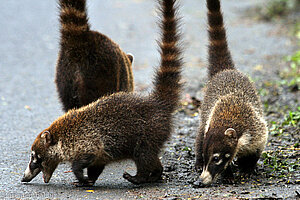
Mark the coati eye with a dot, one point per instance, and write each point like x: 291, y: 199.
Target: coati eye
x: 33, y: 157
x: 216, y: 158
x: 36, y: 158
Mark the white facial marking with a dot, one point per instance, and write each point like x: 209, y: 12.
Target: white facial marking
x: 33, y: 155
x: 27, y: 172
x: 216, y: 155
x: 219, y: 162
x: 206, y: 177
x: 30, y: 174
x: 210, y: 117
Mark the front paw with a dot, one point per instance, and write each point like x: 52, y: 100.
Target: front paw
x: 228, y: 180
x: 83, y: 184
x: 130, y: 178
x: 134, y: 179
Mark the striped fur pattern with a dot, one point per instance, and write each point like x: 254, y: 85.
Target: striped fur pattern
x: 218, y: 52
x: 232, y: 122
x: 119, y: 126
x: 90, y: 65
x: 167, y: 80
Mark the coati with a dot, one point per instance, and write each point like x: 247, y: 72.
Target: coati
x: 120, y: 126
x: 90, y: 65
x: 232, y: 123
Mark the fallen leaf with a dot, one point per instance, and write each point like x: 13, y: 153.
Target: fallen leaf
x: 27, y: 107
x: 258, y: 67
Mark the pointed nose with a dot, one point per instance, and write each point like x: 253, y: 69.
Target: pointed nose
x: 24, y: 179
x: 30, y: 174
x: 206, y: 178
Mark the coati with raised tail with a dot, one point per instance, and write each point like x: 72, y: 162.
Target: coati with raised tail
x: 90, y: 65
x: 232, y: 123
x: 120, y: 126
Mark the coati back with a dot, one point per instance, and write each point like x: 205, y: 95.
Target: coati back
x: 232, y: 123
x: 90, y: 65
x: 119, y: 126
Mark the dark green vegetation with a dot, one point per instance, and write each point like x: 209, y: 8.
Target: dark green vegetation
x: 272, y: 9
x: 281, y: 160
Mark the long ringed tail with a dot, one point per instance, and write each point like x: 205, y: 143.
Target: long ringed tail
x: 74, y: 21
x: 219, y: 55
x: 167, y: 86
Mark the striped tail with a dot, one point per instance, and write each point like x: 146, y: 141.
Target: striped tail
x: 74, y: 21
x: 219, y: 54
x: 167, y: 86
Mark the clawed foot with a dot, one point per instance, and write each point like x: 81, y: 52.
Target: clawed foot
x: 247, y: 173
x: 140, y: 179
x: 228, y: 180
x: 86, y: 183
x: 228, y: 176
x: 133, y: 179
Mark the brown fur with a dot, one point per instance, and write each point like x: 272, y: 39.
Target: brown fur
x: 90, y: 65
x: 120, y: 126
x: 218, y: 52
x: 230, y: 102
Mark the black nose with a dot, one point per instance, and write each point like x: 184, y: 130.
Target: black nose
x: 25, y: 180
x: 198, y: 184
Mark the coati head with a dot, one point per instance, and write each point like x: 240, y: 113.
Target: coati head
x: 219, y: 149
x: 43, y: 159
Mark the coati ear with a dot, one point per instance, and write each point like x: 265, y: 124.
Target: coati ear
x: 47, y: 138
x: 230, y: 132
x: 131, y: 57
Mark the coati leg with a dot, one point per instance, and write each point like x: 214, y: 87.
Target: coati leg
x: 199, y: 151
x: 227, y: 176
x: 94, y: 172
x: 148, y: 170
x: 247, y: 163
x: 78, y: 165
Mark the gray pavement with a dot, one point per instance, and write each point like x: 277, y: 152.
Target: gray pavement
x: 28, y: 100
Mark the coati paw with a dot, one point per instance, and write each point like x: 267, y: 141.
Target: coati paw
x: 247, y: 174
x: 87, y: 183
x: 134, y: 179
x: 130, y: 178
x: 228, y: 180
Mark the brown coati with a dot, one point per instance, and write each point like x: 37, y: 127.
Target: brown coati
x: 232, y: 123
x: 90, y: 65
x: 120, y: 126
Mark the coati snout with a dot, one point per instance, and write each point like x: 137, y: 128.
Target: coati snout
x: 40, y: 161
x: 218, y: 152
x: 33, y: 168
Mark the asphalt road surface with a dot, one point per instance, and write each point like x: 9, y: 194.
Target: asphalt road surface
x: 29, y: 39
